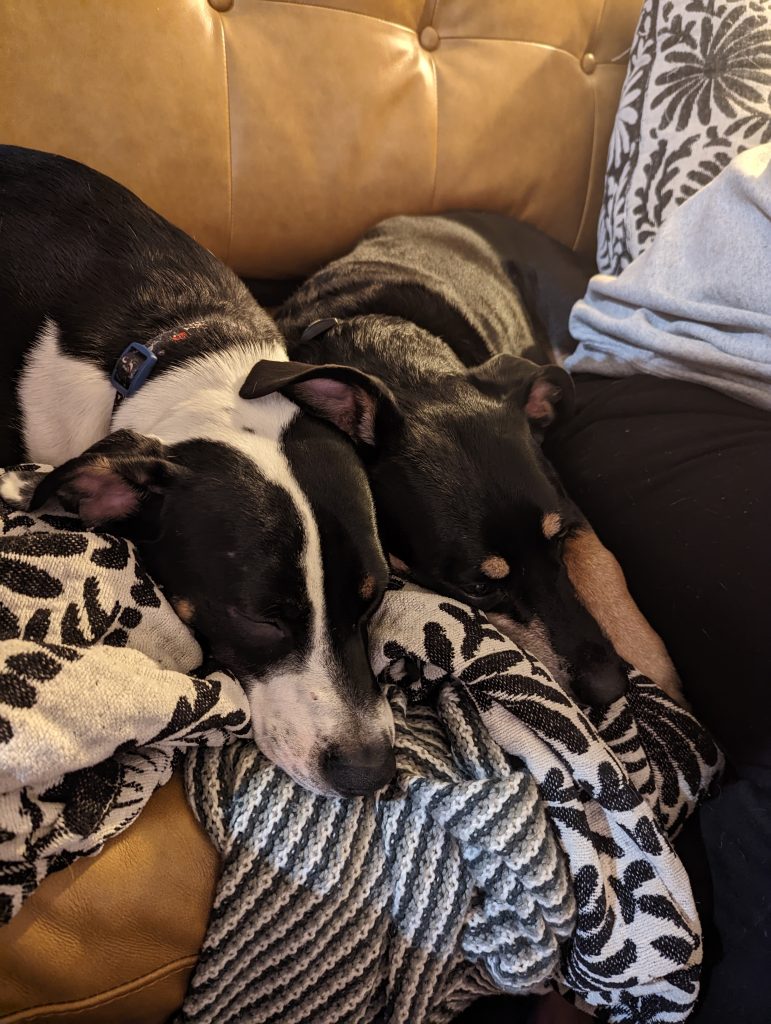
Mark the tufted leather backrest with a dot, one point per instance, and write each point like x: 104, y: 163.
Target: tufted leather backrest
x: 276, y: 131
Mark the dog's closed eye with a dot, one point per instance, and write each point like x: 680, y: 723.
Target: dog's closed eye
x: 261, y: 632
x: 481, y: 593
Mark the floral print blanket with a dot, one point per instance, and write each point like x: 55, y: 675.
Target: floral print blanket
x: 524, y: 842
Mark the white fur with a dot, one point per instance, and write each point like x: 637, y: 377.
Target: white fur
x: 67, y: 406
x: 296, y: 713
x: 14, y: 488
x: 65, y: 402
x: 17, y: 488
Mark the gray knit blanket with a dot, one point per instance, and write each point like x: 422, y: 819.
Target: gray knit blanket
x: 450, y: 885
x: 523, y: 843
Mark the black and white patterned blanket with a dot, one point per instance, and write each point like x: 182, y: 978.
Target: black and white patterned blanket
x: 697, y: 93
x: 522, y: 843
x: 97, y: 695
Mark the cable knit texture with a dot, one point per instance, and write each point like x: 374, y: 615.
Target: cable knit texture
x: 524, y: 841
x: 449, y: 884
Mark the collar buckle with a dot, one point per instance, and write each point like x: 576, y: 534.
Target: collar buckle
x: 132, y: 369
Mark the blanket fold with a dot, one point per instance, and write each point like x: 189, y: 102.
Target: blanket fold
x: 524, y: 842
x: 97, y: 698
x: 455, y: 886
x: 695, y: 305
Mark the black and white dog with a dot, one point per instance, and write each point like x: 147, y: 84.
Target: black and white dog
x: 255, y: 518
x: 427, y: 309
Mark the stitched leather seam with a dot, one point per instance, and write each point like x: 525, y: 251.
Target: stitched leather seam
x: 102, y: 998
x: 428, y: 14
x: 341, y: 10
x: 229, y: 134
x: 590, y: 173
x: 590, y: 46
x: 511, y: 39
x: 435, y: 73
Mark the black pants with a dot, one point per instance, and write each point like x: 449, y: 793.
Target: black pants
x: 676, y: 480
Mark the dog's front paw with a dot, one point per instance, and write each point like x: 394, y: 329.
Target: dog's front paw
x: 17, y: 485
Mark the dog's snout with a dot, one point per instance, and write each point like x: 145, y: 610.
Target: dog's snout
x: 359, y: 771
x: 601, y: 679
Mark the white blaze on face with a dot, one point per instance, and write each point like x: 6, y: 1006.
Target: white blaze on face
x: 299, y: 714
x: 298, y: 711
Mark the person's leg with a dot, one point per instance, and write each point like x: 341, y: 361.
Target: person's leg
x: 676, y: 480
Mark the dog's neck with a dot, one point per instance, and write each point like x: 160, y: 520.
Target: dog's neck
x: 68, y: 402
x: 138, y: 360
x: 393, y: 349
x: 199, y: 398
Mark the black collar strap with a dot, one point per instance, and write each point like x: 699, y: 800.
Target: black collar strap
x: 136, y: 362
x: 319, y: 327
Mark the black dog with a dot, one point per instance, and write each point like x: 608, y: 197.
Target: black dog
x: 427, y: 309
x: 234, y: 504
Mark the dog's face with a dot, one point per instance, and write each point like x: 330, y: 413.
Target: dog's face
x: 468, y: 505
x: 270, y: 552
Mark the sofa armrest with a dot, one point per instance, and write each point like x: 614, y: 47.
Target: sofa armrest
x: 114, y: 938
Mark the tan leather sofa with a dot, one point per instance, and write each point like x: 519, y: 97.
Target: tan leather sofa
x: 275, y: 132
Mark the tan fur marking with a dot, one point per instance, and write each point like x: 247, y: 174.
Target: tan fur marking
x: 534, y: 638
x: 185, y: 609
x: 495, y: 567
x: 601, y: 587
x: 551, y: 524
x: 367, y: 587
x: 398, y: 565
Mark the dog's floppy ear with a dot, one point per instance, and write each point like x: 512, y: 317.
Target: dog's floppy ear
x: 107, y: 482
x: 543, y: 392
x: 345, y: 396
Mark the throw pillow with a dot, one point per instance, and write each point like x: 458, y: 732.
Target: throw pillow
x: 697, y: 93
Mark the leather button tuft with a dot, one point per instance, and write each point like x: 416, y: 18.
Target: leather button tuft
x: 429, y: 38
x: 588, y: 63
x: 221, y: 5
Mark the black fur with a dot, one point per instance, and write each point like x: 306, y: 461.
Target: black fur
x: 82, y: 250
x: 428, y: 307
x: 223, y: 540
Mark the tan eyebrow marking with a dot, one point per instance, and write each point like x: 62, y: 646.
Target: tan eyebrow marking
x: 185, y: 609
x: 495, y: 567
x: 551, y: 524
x: 398, y: 565
x: 367, y: 587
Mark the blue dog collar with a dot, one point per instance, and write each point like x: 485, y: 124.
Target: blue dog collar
x: 137, y: 361
x: 132, y: 369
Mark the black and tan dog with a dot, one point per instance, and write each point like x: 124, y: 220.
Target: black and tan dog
x: 449, y: 410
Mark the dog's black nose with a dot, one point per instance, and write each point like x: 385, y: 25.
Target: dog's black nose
x: 601, y: 684
x: 359, y: 771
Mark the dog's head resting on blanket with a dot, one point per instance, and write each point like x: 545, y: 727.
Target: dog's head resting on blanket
x: 466, y: 501
x: 276, y: 574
